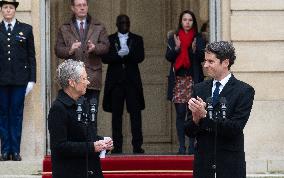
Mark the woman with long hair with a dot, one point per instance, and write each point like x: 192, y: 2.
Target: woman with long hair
x: 185, y: 55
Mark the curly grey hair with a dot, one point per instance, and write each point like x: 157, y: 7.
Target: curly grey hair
x: 223, y: 50
x: 69, y: 69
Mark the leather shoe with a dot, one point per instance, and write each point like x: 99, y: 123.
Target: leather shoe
x: 5, y: 157
x: 138, y: 151
x: 16, y: 157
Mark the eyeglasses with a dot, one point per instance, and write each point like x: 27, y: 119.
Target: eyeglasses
x: 81, y: 5
x: 85, y: 78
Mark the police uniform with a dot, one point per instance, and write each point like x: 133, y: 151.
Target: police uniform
x: 17, y: 68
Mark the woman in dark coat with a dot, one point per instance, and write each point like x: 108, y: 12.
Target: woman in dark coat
x: 70, y: 140
x: 184, y: 52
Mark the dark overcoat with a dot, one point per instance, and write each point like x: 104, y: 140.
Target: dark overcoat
x: 196, y: 58
x: 68, y: 141
x: 230, y: 138
x: 17, y: 55
x: 124, y: 70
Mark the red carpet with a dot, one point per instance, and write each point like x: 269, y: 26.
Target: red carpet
x: 139, y: 166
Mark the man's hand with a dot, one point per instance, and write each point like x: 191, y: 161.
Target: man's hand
x: 29, y: 87
x: 74, y: 47
x: 197, y: 107
x: 91, y: 46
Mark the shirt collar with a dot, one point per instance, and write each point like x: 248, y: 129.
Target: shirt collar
x: 65, y: 98
x: 13, y: 22
x: 79, y: 21
x: 224, y: 81
x: 120, y: 35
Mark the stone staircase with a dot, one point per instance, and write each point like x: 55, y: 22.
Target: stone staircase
x: 32, y: 169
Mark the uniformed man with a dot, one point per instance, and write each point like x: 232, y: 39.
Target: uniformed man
x: 17, y: 77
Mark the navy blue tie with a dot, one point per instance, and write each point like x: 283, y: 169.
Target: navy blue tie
x: 9, y: 28
x: 216, y: 93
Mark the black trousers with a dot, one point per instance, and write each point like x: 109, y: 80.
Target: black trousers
x: 120, y: 94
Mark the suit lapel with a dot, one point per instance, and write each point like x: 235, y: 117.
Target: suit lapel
x: 16, y: 28
x: 74, y: 30
x: 117, y: 42
x: 208, y: 89
x: 228, y: 87
x: 130, y: 41
x: 90, y: 30
x: 2, y: 28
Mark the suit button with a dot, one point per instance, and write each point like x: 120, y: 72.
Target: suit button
x: 9, y: 34
x: 9, y: 59
x: 83, y: 51
x: 9, y: 46
x: 8, y: 39
x: 9, y: 52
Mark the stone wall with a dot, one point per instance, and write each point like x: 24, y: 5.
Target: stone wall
x: 256, y: 29
x: 33, y: 135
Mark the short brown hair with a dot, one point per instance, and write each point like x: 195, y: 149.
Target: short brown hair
x: 72, y: 2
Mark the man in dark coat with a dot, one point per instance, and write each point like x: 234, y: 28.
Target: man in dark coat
x: 17, y: 77
x: 225, y: 150
x: 123, y: 83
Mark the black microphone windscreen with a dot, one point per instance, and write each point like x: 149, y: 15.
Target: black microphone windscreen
x: 223, y: 100
x: 209, y: 100
x: 80, y: 101
x: 93, y: 101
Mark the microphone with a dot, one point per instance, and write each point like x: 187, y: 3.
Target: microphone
x: 93, y: 109
x: 223, y: 102
x: 79, y: 110
x: 210, y: 107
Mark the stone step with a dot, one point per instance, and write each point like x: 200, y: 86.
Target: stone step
x: 20, y: 168
x: 248, y: 176
x: 265, y: 175
x: 32, y: 169
x: 20, y: 176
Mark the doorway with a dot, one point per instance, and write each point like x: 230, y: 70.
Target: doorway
x: 152, y: 20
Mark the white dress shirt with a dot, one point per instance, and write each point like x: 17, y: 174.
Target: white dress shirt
x: 123, y: 41
x: 223, y: 82
x: 13, y: 22
x: 79, y: 23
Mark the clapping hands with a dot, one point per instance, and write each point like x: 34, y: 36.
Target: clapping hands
x: 106, y: 144
x: 123, y: 52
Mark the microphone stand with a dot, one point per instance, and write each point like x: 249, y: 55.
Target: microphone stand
x: 214, y: 166
x: 86, y: 122
x: 222, y: 110
x: 213, y: 115
x: 84, y: 117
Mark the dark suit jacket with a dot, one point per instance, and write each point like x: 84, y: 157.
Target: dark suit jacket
x: 68, y: 34
x: 17, y: 62
x: 230, y: 139
x: 68, y: 141
x: 124, y: 70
